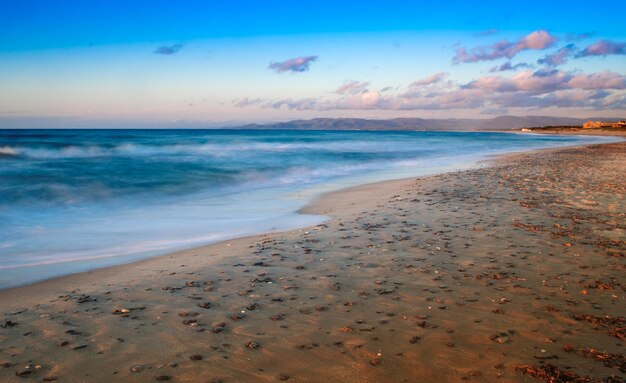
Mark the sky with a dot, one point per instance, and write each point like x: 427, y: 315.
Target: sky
x: 154, y: 63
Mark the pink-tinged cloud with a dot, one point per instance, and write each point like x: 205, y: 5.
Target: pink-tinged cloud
x: 294, y: 65
x: 559, y: 57
x: 352, y: 87
x: 461, y: 98
x: 603, y: 48
x: 614, y: 99
x: 537, y: 40
x: 300, y: 104
x: 245, y: 102
x: 432, y: 79
x: 540, y: 82
x: 545, y: 88
x: 507, y: 66
x: 367, y: 100
x: 600, y: 80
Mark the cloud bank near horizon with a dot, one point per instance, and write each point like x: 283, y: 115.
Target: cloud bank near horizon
x: 527, y: 87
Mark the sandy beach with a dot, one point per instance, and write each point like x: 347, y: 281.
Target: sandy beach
x: 580, y: 131
x: 512, y: 272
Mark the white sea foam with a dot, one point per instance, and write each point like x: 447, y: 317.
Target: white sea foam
x: 8, y: 151
x: 208, y: 149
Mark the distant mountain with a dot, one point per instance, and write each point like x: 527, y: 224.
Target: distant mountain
x: 462, y: 124
x: 466, y: 124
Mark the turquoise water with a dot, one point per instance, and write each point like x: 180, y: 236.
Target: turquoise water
x: 75, y: 200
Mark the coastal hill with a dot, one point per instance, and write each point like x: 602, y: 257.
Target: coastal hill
x: 496, y: 123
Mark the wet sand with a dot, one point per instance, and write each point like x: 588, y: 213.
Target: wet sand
x: 513, y: 272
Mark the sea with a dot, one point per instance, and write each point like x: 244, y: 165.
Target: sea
x: 77, y: 200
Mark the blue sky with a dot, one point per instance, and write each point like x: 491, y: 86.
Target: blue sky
x: 192, y: 63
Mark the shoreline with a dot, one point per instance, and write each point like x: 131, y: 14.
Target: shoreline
x: 414, y: 279
x: 160, y: 225
x: 488, y: 158
x: 314, y: 207
x: 616, y: 132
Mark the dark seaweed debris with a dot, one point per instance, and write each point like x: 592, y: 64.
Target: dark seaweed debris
x: 615, y: 326
x: 609, y: 360
x: 553, y: 374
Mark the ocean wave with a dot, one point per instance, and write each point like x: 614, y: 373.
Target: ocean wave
x: 8, y: 151
x: 204, y: 149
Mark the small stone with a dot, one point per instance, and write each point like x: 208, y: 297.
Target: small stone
x: 252, y: 345
x: 8, y: 324
x: 23, y: 373
x: 502, y: 337
x: 195, y: 357
x: 120, y: 311
x: 79, y: 347
x: 136, y: 368
x: 162, y: 378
